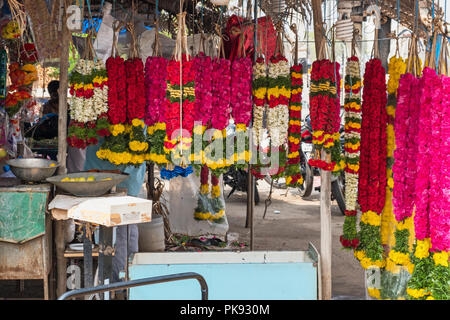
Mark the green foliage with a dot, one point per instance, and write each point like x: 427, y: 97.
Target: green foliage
x: 370, y: 242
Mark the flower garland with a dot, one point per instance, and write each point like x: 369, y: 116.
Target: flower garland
x: 136, y: 102
x: 241, y: 103
x: 403, y: 168
x: 372, y: 177
x: 278, y: 95
x: 217, y: 203
x: 215, y: 152
x: 19, y: 91
x: 259, y: 86
x: 203, y: 210
x: 115, y: 146
x: 293, y: 174
x: 352, y: 106
x: 325, y: 115
x: 88, y: 104
x: 180, y: 117
x: 155, y: 84
x: 432, y: 221
x: 203, y: 106
x: 117, y: 112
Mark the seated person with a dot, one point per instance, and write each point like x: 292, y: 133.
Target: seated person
x: 47, y: 127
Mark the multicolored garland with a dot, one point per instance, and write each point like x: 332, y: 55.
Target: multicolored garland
x: 352, y: 106
x: 372, y: 176
x: 155, y: 85
x: 180, y: 111
x: 431, y: 273
x: 88, y: 104
x: 293, y: 174
x: 325, y: 115
x: 278, y: 95
x: 259, y: 86
x: 115, y: 147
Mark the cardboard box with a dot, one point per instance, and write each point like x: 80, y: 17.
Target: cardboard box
x: 113, y: 211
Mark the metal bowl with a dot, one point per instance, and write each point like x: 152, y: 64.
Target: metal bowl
x: 32, y: 169
x: 95, y: 188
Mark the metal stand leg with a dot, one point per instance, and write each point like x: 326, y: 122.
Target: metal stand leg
x: 105, y: 255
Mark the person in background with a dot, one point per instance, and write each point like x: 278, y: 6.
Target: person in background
x: 133, y: 186
x: 47, y: 128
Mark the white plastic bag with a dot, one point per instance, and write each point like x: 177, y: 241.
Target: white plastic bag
x: 181, y: 196
x: 104, y: 38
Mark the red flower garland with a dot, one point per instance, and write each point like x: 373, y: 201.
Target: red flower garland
x: 372, y: 180
x: 117, y: 90
x: 136, y: 100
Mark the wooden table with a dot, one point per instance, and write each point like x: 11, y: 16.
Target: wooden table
x: 59, y: 208
x: 106, y: 214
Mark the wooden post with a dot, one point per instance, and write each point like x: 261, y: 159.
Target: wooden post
x: 325, y: 232
x: 384, y: 46
x: 318, y: 24
x: 325, y: 179
x: 63, y: 87
x: 61, y: 264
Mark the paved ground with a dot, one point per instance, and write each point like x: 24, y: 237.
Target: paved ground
x: 297, y: 224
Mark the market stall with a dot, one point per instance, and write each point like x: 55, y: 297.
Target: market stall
x: 197, y: 108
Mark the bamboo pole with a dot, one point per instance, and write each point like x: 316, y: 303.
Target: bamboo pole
x: 63, y: 87
x: 325, y: 178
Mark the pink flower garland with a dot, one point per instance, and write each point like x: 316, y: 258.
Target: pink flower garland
x: 440, y: 222
x: 221, y: 93
x: 439, y: 218
x: 155, y: 85
x: 203, y: 85
x: 406, y: 130
x: 424, y: 159
x: 241, y: 90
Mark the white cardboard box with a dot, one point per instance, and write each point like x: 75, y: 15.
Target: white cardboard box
x: 113, y: 211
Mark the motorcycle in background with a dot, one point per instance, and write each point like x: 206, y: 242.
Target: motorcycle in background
x: 308, y: 172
